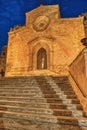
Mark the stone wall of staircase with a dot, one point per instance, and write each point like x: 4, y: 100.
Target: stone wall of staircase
x: 78, y: 78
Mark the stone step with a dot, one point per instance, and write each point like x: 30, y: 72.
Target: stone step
x: 56, y: 112
x: 29, y: 84
x: 66, y: 106
x: 65, y: 89
x: 20, y: 89
x: 56, y: 91
x: 54, y: 83
x: 35, y: 89
x: 34, y: 96
x: 60, y: 80
x: 41, y: 99
x: 56, y: 87
x: 19, y: 80
x: 22, y: 95
x: 65, y: 112
x: 34, y: 76
x: 22, y: 86
x: 64, y: 101
x: 17, y: 124
x: 42, y: 105
x: 25, y: 85
x: 67, y: 92
x: 58, y: 96
x: 46, y: 118
x: 13, y: 83
x: 33, y: 83
x: 22, y: 92
x: 33, y: 93
x: 28, y: 110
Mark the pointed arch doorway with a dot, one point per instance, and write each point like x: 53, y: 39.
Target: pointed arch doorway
x: 41, y: 59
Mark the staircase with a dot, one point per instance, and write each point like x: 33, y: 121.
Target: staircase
x: 45, y: 99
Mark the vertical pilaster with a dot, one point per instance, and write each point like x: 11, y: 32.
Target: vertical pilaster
x: 85, y: 57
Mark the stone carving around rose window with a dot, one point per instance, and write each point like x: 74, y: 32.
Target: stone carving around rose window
x: 41, y: 23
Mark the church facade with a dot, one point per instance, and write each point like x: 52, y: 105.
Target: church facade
x: 45, y: 42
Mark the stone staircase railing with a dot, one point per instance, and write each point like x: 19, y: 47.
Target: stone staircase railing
x: 78, y: 76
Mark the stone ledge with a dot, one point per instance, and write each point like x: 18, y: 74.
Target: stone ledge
x: 83, y: 100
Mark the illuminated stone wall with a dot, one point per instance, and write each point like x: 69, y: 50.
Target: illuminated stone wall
x: 44, y: 28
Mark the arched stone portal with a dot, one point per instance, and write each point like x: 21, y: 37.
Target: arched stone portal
x: 37, y: 51
x: 41, y: 59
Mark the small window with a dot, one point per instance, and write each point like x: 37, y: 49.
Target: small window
x: 85, y: 17
x: 85, y: 20
x: 3, y: 53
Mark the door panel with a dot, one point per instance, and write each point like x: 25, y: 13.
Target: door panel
x: 42, y: 59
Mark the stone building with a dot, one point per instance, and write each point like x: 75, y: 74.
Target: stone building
x: 3, y: 60
x: 46, y: 41
x: 46, y: 44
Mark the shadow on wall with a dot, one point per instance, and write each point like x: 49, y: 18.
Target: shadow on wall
x: 2, y: 73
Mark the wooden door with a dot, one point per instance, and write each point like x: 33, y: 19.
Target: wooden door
x: 42, y: 59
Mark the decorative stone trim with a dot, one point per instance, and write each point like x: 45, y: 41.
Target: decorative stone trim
x: 85, y: 57
x: 41, y: 23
